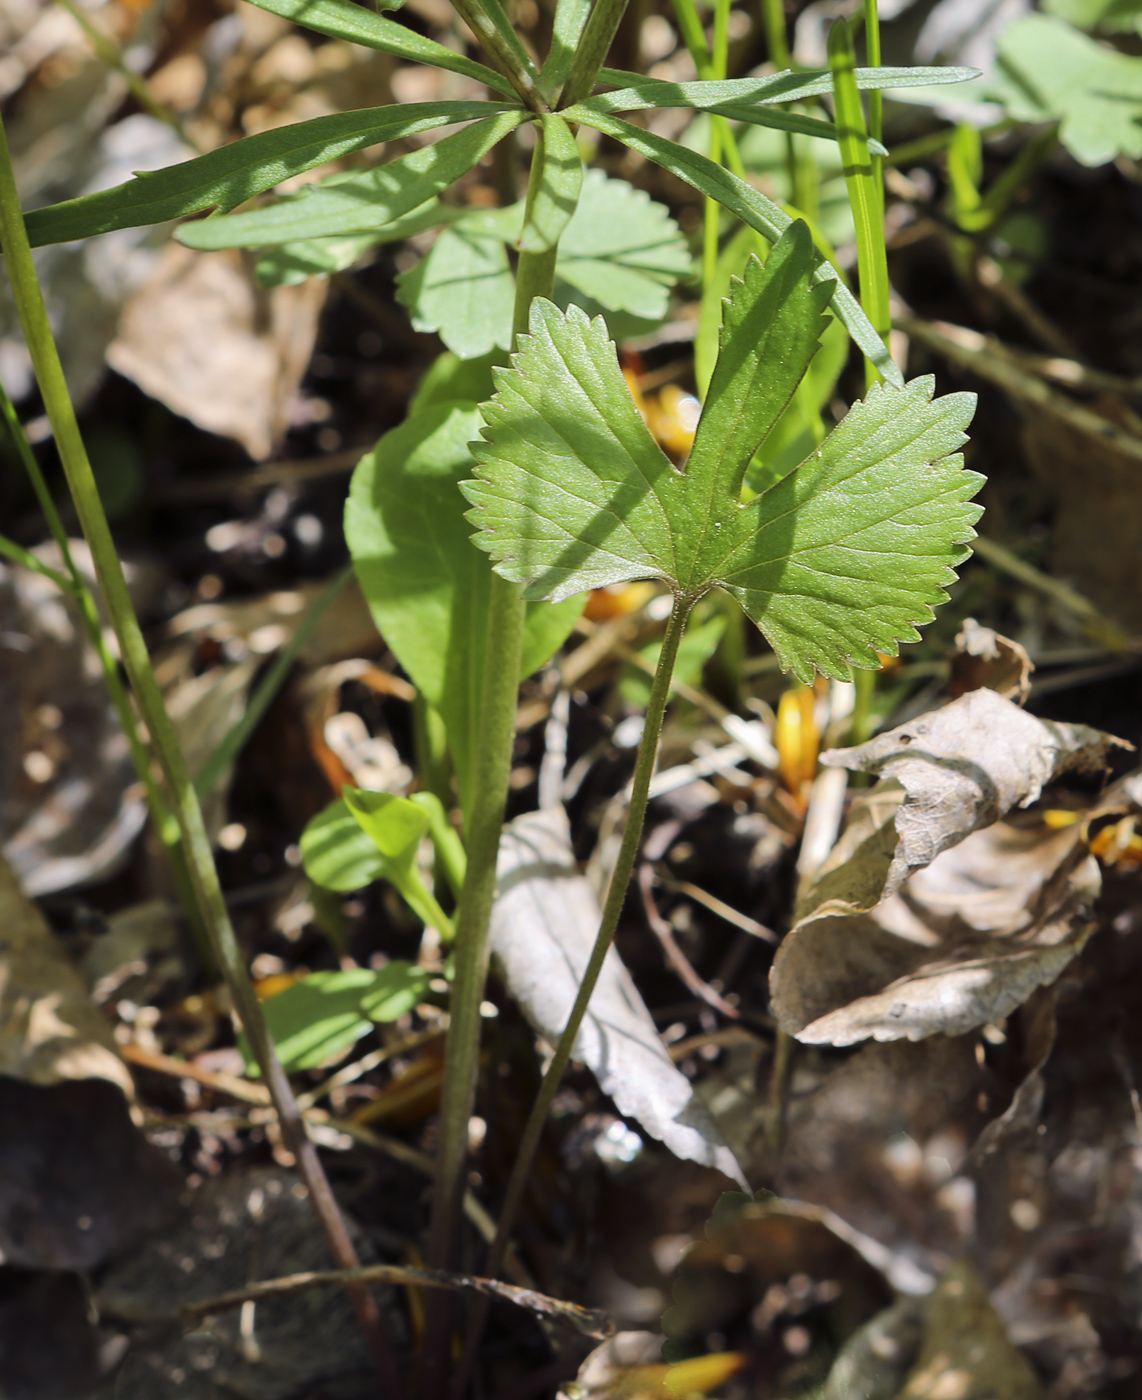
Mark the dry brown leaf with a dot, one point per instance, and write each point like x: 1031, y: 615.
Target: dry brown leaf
x: 963, y: 944
x: 204, y: 339
x: 49, y: 1028
x: 543, y: 928
x: 985, y: 658
x: 960, y: 768
x: 966, y: 1353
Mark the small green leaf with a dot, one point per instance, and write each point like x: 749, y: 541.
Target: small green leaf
x: 327, y: 1011
x: 343, y: 19
x: 463, y: 288
x: 427, y: 587
x: 396, y: 826
x: 289, y: 263
x: 356, y: 202
x: 336, y: 853
x: 552, y: 200
x: 451, y: 380
x: 449, y: 848
x: 1047, y: 70
x: 226, y: 177
x: 837, y: 561
x: 754, y: 209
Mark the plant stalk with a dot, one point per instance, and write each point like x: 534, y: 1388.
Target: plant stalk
x: 33, y: 315
x: 612, y: 911
x: 535, y: 276
x: 590, y: 55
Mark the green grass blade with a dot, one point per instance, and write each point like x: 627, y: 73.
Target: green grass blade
x: 570, y: 19
x: 864, y: 196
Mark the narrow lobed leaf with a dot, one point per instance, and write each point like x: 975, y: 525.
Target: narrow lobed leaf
x: 354, y: 203
x: 343, y: 19
x: 752, y: 208
x: 226, y: 177
x: 795, y: 87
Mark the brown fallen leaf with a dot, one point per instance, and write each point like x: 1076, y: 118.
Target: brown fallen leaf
x: 985, y: 658
x: 963, y: 944
x: 543, y: 928
x: 205, y: 340
x: 959, y: 769
x: 966, y: 1353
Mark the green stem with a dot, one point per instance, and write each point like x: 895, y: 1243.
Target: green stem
x: 496, y: 36
x: 612, y: 910
x: 868, y: 215
x: 590, y: 55
x: 875, y: 97
x: 776, y: 36
x: 535, y: 276
x: 33, y: 315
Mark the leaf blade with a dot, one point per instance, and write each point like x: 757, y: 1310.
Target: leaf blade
x: 553, y: 199
x: 237, y: 172
x: 341, y: 19
x: 356, y: 203
x: 571, y: 490
x: 843, y: 557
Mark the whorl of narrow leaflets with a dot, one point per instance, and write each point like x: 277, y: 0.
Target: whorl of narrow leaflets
x: 835, y: 562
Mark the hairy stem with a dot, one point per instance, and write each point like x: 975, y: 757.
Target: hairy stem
x: 535, y: 276
x: 188, y: 814
x: 612, y: 910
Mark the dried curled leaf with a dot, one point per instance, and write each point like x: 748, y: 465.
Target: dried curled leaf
x: 543, y: 928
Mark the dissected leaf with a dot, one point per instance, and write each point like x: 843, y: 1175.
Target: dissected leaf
x: 837, y: 561
x: 622, y: 249
x: 355, y: 202
x: 427, y: 587
x: 941, y: 777
x: 620, y: 253
x: 1049, y: 71
x: 327, y: 1011
x: 343, y: 19
x: 231, y: 174
x: 543, y: 928
x: 553, y: 198
x: 464, y: 289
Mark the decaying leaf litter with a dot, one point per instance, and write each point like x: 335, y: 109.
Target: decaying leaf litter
x: 939, y: 1063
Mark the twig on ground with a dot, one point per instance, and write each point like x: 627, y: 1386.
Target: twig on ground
x: 675, y: 957
x: 592, y: 1322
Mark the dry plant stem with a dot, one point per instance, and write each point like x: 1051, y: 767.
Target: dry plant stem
x: 590, y: 1321
x: 678, y: 961
x: 783, y: 1048
x: 616, y: 895
x: 136, y: 660
x: 971, y: 351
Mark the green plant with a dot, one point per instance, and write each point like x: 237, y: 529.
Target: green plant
x: 836, y: 557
